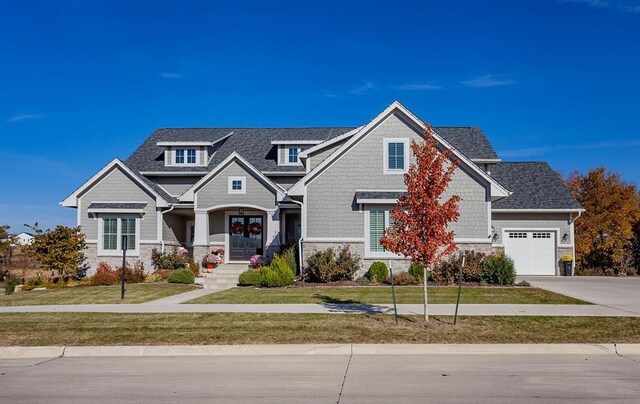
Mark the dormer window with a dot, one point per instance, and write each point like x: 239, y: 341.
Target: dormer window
x: 191, y: 156
x: 293, y: 155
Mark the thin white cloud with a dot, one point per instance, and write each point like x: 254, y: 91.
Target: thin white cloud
x: 539, y: 151
x: 628, y: 6
x: 417, y: 87
x: 26, y: 117
x: 169, y: 75
x: 365, y: 88
x: 330, y: 94
x: 488, y: 80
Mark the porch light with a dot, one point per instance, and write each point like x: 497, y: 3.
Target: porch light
x: 565, y: 237
x: 240, y: 211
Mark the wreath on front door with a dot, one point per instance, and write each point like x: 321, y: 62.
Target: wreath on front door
x: 255, y: 228
x: 237, y: 228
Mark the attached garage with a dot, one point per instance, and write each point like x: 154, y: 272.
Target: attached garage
x: 533, y: 252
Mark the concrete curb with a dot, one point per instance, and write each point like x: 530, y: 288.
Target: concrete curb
x: 31, y: 352
x: 318, y: 349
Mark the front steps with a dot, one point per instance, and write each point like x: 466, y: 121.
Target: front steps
x: 223, y: 277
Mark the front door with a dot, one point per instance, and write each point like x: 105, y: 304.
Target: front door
x: 245, y: 237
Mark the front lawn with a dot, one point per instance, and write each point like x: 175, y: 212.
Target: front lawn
x: 31, y: 329
x: 136, y: 293
x: 382, y: 294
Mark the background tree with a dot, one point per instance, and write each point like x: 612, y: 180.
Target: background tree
x: 6, y: 244
x: 60, y: 250
x: 420, y: 220
x: 604, y: 233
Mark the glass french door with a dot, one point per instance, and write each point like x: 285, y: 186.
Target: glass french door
x: 245, y: 237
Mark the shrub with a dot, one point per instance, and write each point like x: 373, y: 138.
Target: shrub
x: 277, y: 274
x: 106, y: 268
x: 498, y: 269
x: 10, y: 284
x: 378, y: 272
x: 103, y: 279
x: 326, y: 266
x: 448, y: 271
x: 163, y: 274
x: 152, y: 278
x: 404, y: 279
x: 347, y: 264
x: 363, y: 280
x: 132, y: 275
x: 289, y: 255
x: 182, y: 276
x: 250, y: 277
x: 173, y: 259
x: 417, y: 271
x: 194, y: 267
x: 320, y: 266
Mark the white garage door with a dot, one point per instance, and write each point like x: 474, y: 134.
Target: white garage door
x: 532, y: 252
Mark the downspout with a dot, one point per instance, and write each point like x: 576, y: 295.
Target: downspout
x: 162, y: 225
x: 301, y: 236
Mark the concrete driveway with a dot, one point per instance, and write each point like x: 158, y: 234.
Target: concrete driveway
x: 619, y: 293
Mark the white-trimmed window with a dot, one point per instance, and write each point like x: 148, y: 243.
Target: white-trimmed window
x: 292, y: 155
x: 186, y: 156
x: 396, y: 156
x: 112, y: 228
x: 237, y: 185
x: 376, y: 221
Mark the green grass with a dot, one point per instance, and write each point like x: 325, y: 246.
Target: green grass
x: 33, y: 329
x: 136, y: 293
x: 381, y: 294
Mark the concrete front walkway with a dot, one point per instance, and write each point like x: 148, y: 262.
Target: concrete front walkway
x: 622, y: 293
x: 408, y: 309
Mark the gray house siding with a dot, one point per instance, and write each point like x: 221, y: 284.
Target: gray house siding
x: 332, y: 209
x: 175, y: 186
x: 320, y: 156
x: 532, y: 221
x: 116, y: 186
x: 217, y: 227
x: 285, y: 181
x: 174, y: 228
x: 215, y: 191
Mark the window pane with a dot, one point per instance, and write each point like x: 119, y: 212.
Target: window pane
x: 376, y: 230
x: 191, y: 156
x: 110, y: 234
x: 129, y: 230
x: 293, y: 155
x: 395, y: 155
x: 179, y: 156
x: 236, y: 185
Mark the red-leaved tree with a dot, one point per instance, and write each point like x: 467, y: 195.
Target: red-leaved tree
x: 420, y: 219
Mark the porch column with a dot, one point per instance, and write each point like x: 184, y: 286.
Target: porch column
x: 273, y: 232
x: 201, y: 236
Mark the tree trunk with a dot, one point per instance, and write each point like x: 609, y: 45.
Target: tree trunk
x: 424, y: 284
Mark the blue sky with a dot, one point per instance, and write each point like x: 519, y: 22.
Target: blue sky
x: 82, y: 82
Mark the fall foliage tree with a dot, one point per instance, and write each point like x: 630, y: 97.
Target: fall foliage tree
x: 604, y: 233
x: 420, y: 219
x: 60, y: 250
x: 6, y: 243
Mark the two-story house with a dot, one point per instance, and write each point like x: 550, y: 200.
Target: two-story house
x: 248, y: 190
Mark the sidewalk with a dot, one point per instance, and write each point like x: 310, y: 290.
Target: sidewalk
x: 328, y: 308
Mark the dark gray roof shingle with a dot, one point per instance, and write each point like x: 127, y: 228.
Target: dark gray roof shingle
x: 534, y: 185
x: 471, y: 141
x: 379, y: 195
x: 116, y: 205
x: 254, y: 144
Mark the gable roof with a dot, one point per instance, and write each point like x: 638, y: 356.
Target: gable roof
x: 72, y: 200
x: 188, y: 195
x: 534, y: 186
x: 497, y: 190
x: 254, y: 144
x: 471, y: 141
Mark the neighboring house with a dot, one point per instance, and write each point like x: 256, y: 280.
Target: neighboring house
x: 22, y: 238
x: 251, y: 190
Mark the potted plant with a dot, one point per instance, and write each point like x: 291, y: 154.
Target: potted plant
x: 220, y: 253
x: 210, y: 261
x: 258, y: 261
x: 567, y: 260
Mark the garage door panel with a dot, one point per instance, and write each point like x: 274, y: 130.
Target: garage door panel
x: 533, y: 252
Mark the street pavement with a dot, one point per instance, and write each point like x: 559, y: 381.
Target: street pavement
x: 324, y: 379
